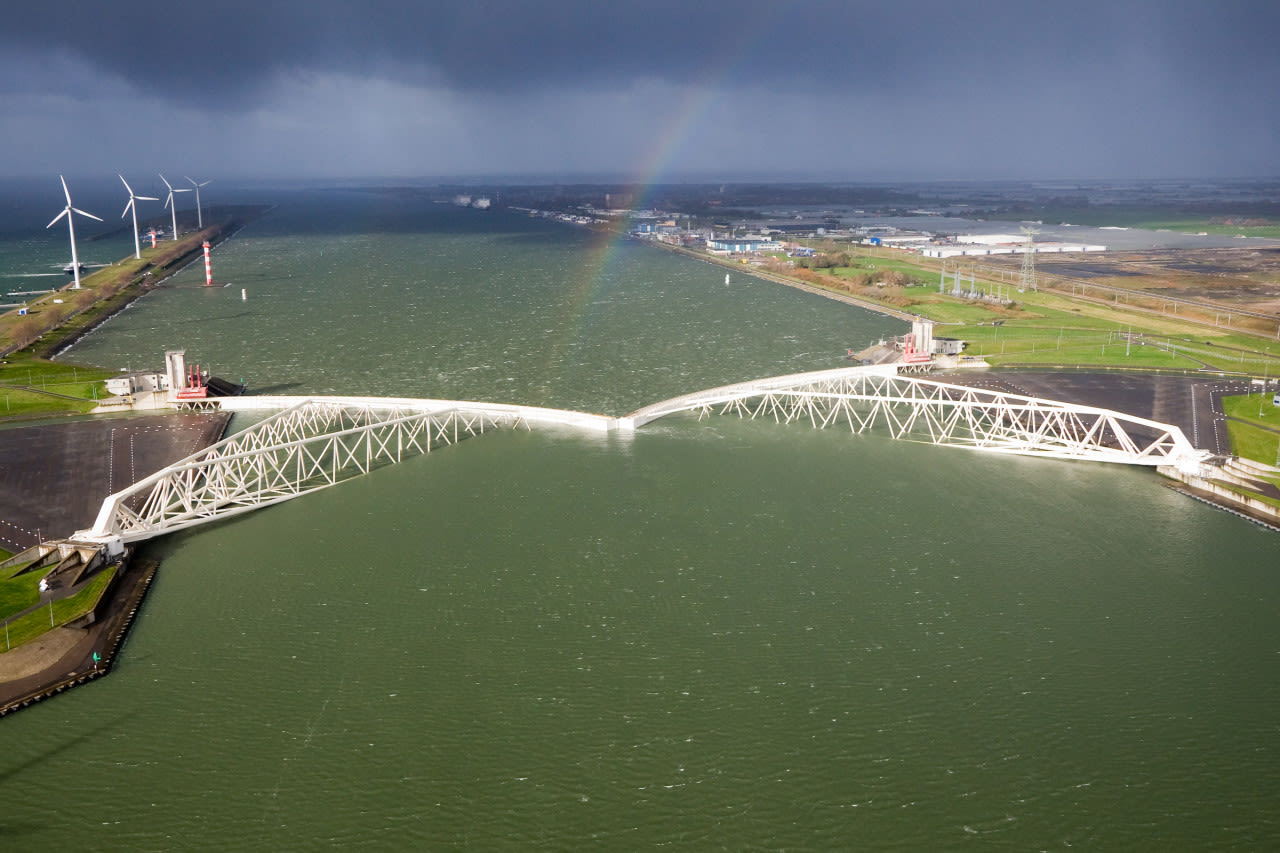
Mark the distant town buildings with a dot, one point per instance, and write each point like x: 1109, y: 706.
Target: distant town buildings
x: 966, y: 245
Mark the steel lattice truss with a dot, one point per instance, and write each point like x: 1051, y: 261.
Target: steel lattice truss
x: 925, y: 410
x: 308, y: 447
x: 316, y: 443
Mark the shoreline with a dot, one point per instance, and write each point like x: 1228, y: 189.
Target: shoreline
x: 190, y: 254
x: 847, y: 298
x: 74, y: 665
x: 56, y: 342
x: 58, y: 475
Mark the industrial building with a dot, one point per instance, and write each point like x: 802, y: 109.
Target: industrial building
x: 741, y: 245
x: 967, y: 245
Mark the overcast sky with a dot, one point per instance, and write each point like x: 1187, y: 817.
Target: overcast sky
x: 642, y: 89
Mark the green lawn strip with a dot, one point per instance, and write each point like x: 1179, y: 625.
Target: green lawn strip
x: 1239, y: 353
x: 1254, y: 408
x: 1250, y: 442
x: 34, y: 624
x: 968, y: 313
x: 24, y: 369
x: 1085, y: 334
x: 18, y: 592
x: 16, y: 403
x: 1105, y: 355
x: 20, y: 371
x: 862, y: 264
x: 1182, y: 352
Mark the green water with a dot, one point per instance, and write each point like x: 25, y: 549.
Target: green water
x: 718, y: 635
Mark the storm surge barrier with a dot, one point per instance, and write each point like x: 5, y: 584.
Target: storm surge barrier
x: 311, y: 443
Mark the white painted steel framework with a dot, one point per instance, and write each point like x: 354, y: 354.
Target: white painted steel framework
x: 926, y: 410
x: 312, y: 444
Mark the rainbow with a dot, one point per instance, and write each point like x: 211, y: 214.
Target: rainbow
x: 695, y: 107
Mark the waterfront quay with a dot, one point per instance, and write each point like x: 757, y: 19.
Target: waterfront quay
x: 55, y: 478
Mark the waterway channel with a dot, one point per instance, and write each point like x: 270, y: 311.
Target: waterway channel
x: 710, y: 635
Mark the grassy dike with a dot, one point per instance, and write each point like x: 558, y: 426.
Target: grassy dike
x: 34, y: 386
x: 19, y: 592
x: 1048, y: 329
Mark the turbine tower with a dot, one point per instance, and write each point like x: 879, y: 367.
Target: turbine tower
x: 173, y: 208
x: 132, y: 205
x: 67, y: 211
x: 1028, y: 278
x: 199, y: 213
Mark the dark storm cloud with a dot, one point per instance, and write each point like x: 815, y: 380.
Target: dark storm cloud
x: 183, y: 49
x: 1051, y: 88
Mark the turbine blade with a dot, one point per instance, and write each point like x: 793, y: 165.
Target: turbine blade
x: 169, y: 199
x: 126, y: 184
x: 128, y: 204
x: 59, y: 216
x: 145, y: 198
x: 83, y: 213
x: 65, y: 191
x: 166, y: 183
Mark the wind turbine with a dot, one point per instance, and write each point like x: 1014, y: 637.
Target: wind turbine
x: 132, y: 205
x: 173, y: 208
x: 199, y: 214
x: 71, y: 227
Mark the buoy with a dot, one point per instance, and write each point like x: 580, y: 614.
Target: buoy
x: 208, y: 266
x: 243, y: 297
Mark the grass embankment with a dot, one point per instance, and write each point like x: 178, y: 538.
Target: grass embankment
x: 1043, y: 327
x: 33, y: 386
x: 53, y: 319
x: 18, y: 591
x: 1254, y: 426
x: 32, y: 625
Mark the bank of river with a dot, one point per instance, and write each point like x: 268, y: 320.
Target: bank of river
x: 829, y: 293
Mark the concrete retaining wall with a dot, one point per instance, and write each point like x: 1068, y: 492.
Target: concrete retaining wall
x: 1227, y: 495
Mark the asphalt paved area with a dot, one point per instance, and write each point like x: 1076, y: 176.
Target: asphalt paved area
x: 54, y: 477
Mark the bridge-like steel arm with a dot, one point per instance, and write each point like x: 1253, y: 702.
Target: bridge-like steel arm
x: 911, y: 407
x: 313, y: 444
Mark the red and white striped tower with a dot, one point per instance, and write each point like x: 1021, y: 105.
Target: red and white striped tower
x: 208, y: 266
x: 153, y: 238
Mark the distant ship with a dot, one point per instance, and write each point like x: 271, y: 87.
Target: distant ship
x: 70, y: 269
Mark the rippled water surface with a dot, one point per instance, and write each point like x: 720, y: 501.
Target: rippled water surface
x: 710, y: 635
